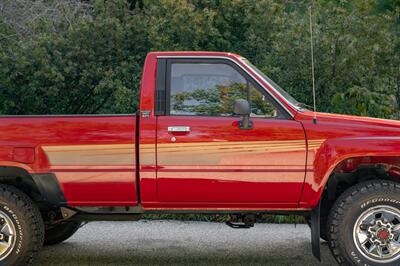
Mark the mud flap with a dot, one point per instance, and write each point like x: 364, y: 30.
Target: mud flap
x: 315, y: 232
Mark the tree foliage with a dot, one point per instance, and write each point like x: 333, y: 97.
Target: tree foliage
x: 87, y: 56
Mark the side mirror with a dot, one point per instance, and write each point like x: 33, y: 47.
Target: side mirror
x: 242, y: 107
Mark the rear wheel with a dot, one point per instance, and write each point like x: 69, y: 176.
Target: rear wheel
x: 56, y: 234
x: 364, y: 225
x: 21, y: 227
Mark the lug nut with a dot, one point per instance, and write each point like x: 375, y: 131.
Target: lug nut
x: 363, y: 227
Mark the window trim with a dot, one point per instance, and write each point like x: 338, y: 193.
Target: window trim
x: 283, y: 112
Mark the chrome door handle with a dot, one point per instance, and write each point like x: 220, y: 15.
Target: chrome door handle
x: 178, y: 129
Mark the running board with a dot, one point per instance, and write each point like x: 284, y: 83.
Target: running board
x: 120, y: 213
x: 242, y: 221
x: 109, y: 209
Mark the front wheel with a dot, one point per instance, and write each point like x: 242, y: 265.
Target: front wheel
x: 364, y: 225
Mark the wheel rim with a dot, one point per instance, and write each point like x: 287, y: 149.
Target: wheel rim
x: 377, y: 234
x: 7, y: 235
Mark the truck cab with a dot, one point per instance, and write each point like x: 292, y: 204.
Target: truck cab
x: 203, y: 155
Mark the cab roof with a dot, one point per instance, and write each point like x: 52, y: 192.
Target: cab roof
x: 196, y: 53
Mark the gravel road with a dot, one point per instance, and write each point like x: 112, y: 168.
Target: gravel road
x: 184, y: 243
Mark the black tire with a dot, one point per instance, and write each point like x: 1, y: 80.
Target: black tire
x: 20, y: 212
x: 56, y: 234
x: 347, y: 211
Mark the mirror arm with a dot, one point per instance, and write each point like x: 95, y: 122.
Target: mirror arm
x: 245, y: 123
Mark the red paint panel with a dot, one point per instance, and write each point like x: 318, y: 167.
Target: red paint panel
x: 24, y: 155
x: 218, y: 162
x: 100, y: 188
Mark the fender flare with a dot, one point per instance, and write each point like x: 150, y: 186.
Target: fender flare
x: 21, y: 176
x: 334, y: 151
x: 50, y: 189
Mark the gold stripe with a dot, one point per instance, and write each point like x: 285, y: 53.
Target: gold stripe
x: 86, y: 155
x: 87, y: 147
x: 124, y: 154
x: 233, y: 143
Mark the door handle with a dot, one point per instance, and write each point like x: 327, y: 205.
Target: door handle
x: 178, y: 129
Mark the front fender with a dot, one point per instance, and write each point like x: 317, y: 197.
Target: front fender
x: 333, y: 151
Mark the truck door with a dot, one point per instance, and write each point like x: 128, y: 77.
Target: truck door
x: 202, y: 153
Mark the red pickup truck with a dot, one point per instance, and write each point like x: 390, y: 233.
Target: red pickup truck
x: 213, y: 135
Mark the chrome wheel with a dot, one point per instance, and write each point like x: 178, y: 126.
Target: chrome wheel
x: 377, y: 234
x: 7, y: 235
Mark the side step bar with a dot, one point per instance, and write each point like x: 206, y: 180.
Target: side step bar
x: 102, y: 213
x: 242, y: 221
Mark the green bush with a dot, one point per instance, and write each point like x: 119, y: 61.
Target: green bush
x: 90, y: 60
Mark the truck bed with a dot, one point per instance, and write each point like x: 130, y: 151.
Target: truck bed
x: 93, y: 157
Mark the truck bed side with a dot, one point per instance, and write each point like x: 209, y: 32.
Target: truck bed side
x: 91, y: 158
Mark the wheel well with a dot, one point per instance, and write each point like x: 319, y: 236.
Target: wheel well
x: 356, y: 170
x: 21, y: 179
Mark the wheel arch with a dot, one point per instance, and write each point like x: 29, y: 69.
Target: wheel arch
x: 354, y: 170
x: 43, y: 189
x: 20, y: 178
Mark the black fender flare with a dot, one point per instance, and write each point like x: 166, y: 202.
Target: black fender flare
x: 49, y: 188
x: 42, y: 187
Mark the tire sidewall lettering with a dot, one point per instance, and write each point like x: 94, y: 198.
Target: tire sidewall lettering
x: 379, y: 200
x: 357, y: 259
x: 18, y: 227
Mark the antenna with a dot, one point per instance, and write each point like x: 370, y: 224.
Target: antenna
x: 312, y: 67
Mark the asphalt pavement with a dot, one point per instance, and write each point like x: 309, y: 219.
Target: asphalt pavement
x: 184, y: 243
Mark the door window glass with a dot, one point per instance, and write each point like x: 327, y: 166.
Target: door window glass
x: 211, y: 89
x: 260, y: 106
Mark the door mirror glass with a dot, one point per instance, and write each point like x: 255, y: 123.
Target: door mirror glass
x: 241, y: 107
